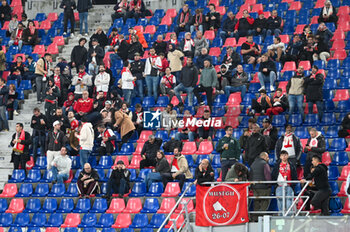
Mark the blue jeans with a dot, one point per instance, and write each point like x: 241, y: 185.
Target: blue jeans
x: 234, y: 89
x: 224, y: 35
x: 93, y: 68
x: 36, y: 141
x: 20, y: 43
x: 139, y: 88
x: 182, y: 136
x: 127, y: 95
x: 152, y: 177
x: 275, y: 32
x: 15, y: 104
x: 188, y: 90
x: 267, y: 78
x: 58, y: 177
x: 193, y: 28
x: 84, y: 157
x: 319, y: 105
x: 289, y: 193
x: 152, y: 83
x: 83, y: 19
x: 121, y: 189
x: 296, y: 100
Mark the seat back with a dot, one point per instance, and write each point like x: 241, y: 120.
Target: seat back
x: 117, y: 205
x: 16, y: 206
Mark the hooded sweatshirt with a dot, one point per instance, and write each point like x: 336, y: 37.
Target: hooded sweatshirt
x: 320, y: 176
x: 86, y: 136
x: 208, y: 77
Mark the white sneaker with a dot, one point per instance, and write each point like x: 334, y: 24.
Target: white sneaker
x: 262, y: 87
x: 272, y: 88
x: 86, y: 34
x: 64, y: 33
x: 15, y: 113
x: 72, y: 35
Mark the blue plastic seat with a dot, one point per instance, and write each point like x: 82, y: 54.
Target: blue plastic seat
x: 333, y: 65
x: 156, y: 221
x: 279, y: 120
x: 18, y: 176
x: 40, y: 163
x: 40, y: 17
x: 100, y: 206
x: 6, y: 219
x: 106, y: 221
x: 33, y: 176
x: 238, y: 132
x: 38, y: 220
x: 156, y: 189
x: 146, y: 230
x: 247, y: 99
x: 140, y: 221
x: 287, y: 75
x: 34, y: 229
x: 333, y: 173
x: 219, y: 134
x: 335, y: 205
x: 148, y: 102
x: 216, y: 161
x: 25, y: 190
x: 71, y: 229
x: 338, y: 144
x: 127, y: 229
x: 101, y: 174
x: 311, y: 120
x: 328, y: 119
x: 329, y: 106
x: 75, y: 162
x: 83, y: 206
x: 342, y: 106
x: 41, y: 190
x: 72, y: 190
x: 66, y: 206
x: 295, y: 120
x: 55, y: 220
x: 49, y: 206
x: 105, y: 162
x: 139, y: 189
x: 47, y: 177
x: 89, y: 229
x: 200, y: 158
x: 33, y: 206
x: 334, y: 187
x: 330, y: 83
x: 127, y: 149
x: 217, y: 42
x: 151, y: 205
x: 191, y: 192
x: 340, y: 158
x: 302, y: 132
x: 332, y: 132
x: 162, y: 134
x: 218, y: 111
x: 190, y: 160
x: 143, y: 174
x: 3, y: 205
x: 76, y: 176
x: 57, y: 190
x: 162, y: 101
x: 88, y: 220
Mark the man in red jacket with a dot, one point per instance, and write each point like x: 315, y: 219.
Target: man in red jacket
x: 84, y: 105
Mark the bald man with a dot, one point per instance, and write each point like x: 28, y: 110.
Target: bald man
x: 204, y: 172
x: 88, y: 181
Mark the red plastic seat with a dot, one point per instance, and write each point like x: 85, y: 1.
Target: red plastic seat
x: 320, y: 3
x: 284, y: 39
x: 295, y: 6
x: 76, y: 16
x: 234, y: 99
x: 346, y: 209
x: 52, y: 17
x: 218, y: 123
x: 326, y: 158
x: 233, y: 111
x: 241, y: 41
x: 190, y: 205
x: 134, y: 205
x: 345, y: 26
x: 230, y: 42
x: 169, y: 158
x: 5, y: 74
x: 5, y: 26
x: 267, y: 14
x: 179, y: 222
x: 215, y: 2
x: 10, y: 190
x: 139, y: 28
x: 52, y: 49
x: 299, y: 29
x: 342, y: 192
x: 59, y: 40
x: 306, y: 64
x: 150, y: 29
x: 303, y: 142
x: 135, y: 162
x: 257, y: 7
x: 189, y: 148
x: 117, y: 205
x: 123, y: 220
x: 52, y: 229
x: 167, y: 36
x: 314, y: 20
x: 210, y: 35
x: 338, y: 34
x: 39, y: 49
x: 205, y: 148
x: 72, y: 220
x: 172, y: 189
x: 232, y: 121
x: 340, y: 55
x: 343, y: 10
x: 123, y: 158
x: 344, y: 173
x: 166, y: 20
x: 45, y: 25
x: 16, y: 206
x: 221, y: 10
x: 283, y: 86
x: 171, y: 13
x: 201, y: 110
x: 18, y: 10
x: 144, y: 136
x: 21, y: 55
x: 16, y: 3
x: 167, y: 205
x: 215, y: 51
x: 338, y: 44
x: 70, y: 177
x: 289, y: 66
x: 138, y: 149
x: 341, y: 95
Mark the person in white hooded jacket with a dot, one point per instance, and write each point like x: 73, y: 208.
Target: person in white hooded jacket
x: 86, y: 140
x: 102, y: 80
x: 127, y: 82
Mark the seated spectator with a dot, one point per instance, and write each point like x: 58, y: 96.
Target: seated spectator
x: 113, y: 41
x: 51, y: 98
x: 306, y: 34
x: 18, y: 65
x: 237, y: 83
x: 295, y: 91
x: 188, y: 131
x: 68, y: 104
x: 322, y: 51
x: 187, y: 45
x: 12, y: 102
x: 15, y: 75
x: 328, y: 13
x: 88, y: 181
x: 308, y: 50
x: 261, y: 104
x: 279, y: 103
x: 228, y: 27
x: 231, y: 58
x: 29, y: 69
x: 102, y: 80
x: 223, y: 75
x: 207, y: 84
x: 184, y: 20
x: 206, y: 131
x: 107, y: 138
x: 212, y: 18
x: 345, y: 127
x: 136, y: 10
x: 250, y: 51
x: 84, y: 105
x: 122, y: 49
x: 167, y: 84
x: 79, y: 54
x: 137, y: 118
x: 152, y: 66
x: 160, y: 45
x: 2, y: 61
x: 134, y: 47
x: 30, y: 34
x: 293, y: 49
x: 175, y: 57
x: 100, y: 37
x: 82, y: 82
x: 162, y: 166
x: 199, y: 43
x: 276, y: 50
x: 204, y: 172
x: 140, y: 37
x: 243, y: 26
x: 5, y: 12
x: 202, y: 57
x: 16, y: 37
x: 122, y: 122
x: 270, y: 132
x: 95, y: 57
x: 197, y: 21
x: 168, y: 117
x: 119, y: 180
x: 149, y: 152
x: 179, y: 170
x: 137, y: 68
x: 260, y: 25
x: 238, y: 172
x: 61, y: 166
x: 120, y: 10
x: 324, y: 33
x: 267, y: 72
x: 274, y: 23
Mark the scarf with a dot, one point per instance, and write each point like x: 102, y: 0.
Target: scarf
x: 267, y: 130
x: 107, y: 134
x: 328, y: 11
x: 122, y: 6
x: 188, y: 44
x: 133, y: 5
x: 19, y: 34
x: 115, y: 40
x: 251, y: 45
x: 81, y: 75
x: 288, y: 140
x: 32, y: 30
x: 280, y: 98
x: 199, y: 19
x: 184, y: 18
x: 19, y: 147
x: 57, y: 81
x: 125, y: 69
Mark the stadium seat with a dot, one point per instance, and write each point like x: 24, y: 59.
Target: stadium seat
x: 123, y: 220
x: 205, y: 147
x: 338, y: 144
x: 127, y: 149
x: 171, y: 13
x: 55, y: 220
x: 140, y: 221
x: 171, y: 190
x: 167, y: 205
x: 295, y: 120
x: 189, y: 148
x: 311, y: 119
x: 230, y: 42
x: 156, y: 221
x: 105, y: 162
x: 333, y: 173
x: 162, y: 134
x: 179, y: 222
x: 151, y: 205
x: 190, y: 205
x: 41, y: 162
x: 106, y: 220
x: 52, y: 16
x: 18, y: 176
x: 209, y: 35
x: 346, y: 209
x: 83, y: 206
x: 142, y: 175
x: 66, y: 206
x: 10, y: 190
x: 49, y: 205
x: 34, y: 229
x: 341, y: 95
x: 326, y: 158
x: 88, y: 220
x: 72, y: 220
x: 25, y: 190
x: 166, y: 20
x: 3, y: 205
x: 52, y: 229
x: 6, y: 219
x: 135, y: 162
x: 339, y: 54
x: 344, y: 173
x: 72, y: 191
x: 233, y: 111
x: 21, y: 220
x: 38, y: 220
x: 144, y: 136
x: 39, y: 49
x: 279, y: 120
x: 117, y: 205
x: 57, y: 190
x: 155, y: 190
x: 289, y: 66
x: 134, y: 205
x: 305, y: 64
x: 343, y: 190
x: 99, y: 206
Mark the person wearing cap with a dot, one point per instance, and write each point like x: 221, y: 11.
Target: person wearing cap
x: 149, y: 151
x: 79, y: 54
x: 228, y: 26
x: 61, y: 167
x: 244, y: 25
x: 260, y: 25
x: 118, y: 182
x: 88, y: 181
x: 83, y: 7
x: 328, y: 13
x: 95, y: 56
x: 207, y: 83
x: 82, y: 81
x: 41, y: 71
x: 55, y: 140
x: 106, y: 138
x: 261, y: 104
x: 161, y: 167
x: 267, y: 72
x: 274, y: 23
x: 152, y: 65
x: 270, y: 132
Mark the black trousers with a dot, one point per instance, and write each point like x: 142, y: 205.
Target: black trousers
x: 207, y: 90
x: 125, y: 139
x: 69, y: 17
x: 166, y: 177
x: 225, y: 166
x: 19, y: 160
x: 147, y: 163
x: 321, y: 200
x: 108, y: 149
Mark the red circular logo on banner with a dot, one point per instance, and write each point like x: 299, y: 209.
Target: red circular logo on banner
x: 221, y: 204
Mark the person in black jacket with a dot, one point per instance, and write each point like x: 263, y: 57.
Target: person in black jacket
x: 237, y: 83
x: 254, y: 145
x: 270, y: 132
x: 119, y: 180
x: 184, y: 20
x: 55, y: 140
x: 274, y: 23
x: 83, y: 7
x: 160, y: 45
x: 261, y: 104
x: 345, y: 127
x: 137, y: 68
x: 224, y: 75
x: 315, y: 146
x: 313, y: 86
x: 20, y: 142
x: 267, y: 72
x: 4, y: 94
x: 260, y: 25
x: 106, y: 138
x: 136, y: 10
x: 39, y: 124
x: 228, y: 26
x: 5, y: 12
x: 68, y: 7
x: 149, y: 152
x: 319, y: 173
x: 79, y: 54
x: 328, y: 13
x: 279, y: 103
x: 134, y: 47
x: 122, y: 50
x: 162, y: 167
x: 250, y: 51
x: 244, y: 26
x: 322, y: 51
x: 137, y: 118
x: 63, y: 119
x: 100, y: 36
x: 231, y: 58
x: 88, y: 181
x: 212, y: 19
x: 187, y: 81
x: 204, y: 172
x: 293, y: 49
x: 95, y: 57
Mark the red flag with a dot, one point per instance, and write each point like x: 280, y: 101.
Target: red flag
x: 224, y: 204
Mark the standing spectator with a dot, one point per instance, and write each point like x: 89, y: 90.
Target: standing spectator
x: 313, y: 85
x: 319, y: 174
x: 4, y: 93
x: 121, y: 9
x: 202, y: 57
x: 207, y: 83
x: 51, y: 98
x: 293, y: 49
x: 39, y: 125
x: 61, y: 166
x: 123, y: 123
x: 29, y: 69
x: 62, y: 82
x: 308, y: 50
x: 162, y: 166
x: 205, y: 132
x: 127, y: 82
x: 260, y: 105
x: 118, y: 182
x: 165, y: 64
x: 187, y: 45
x: 107, y: 138
x: 324, y: 33
x: 86, y: 141
x: 212, y: 19
x: 260, y: 25
x: 175, y: 58
x: 322, y: 51
x: 228, y: 27
x: 88, y: 181
x: 20, y: 147
x: 237, y: 83
x: 83, y: 106
x: 83, y: 7
x: 345, y: 127
x: 267, y: 72
x: 284, y: 170
x: 290, y: 143
x: 254, y: 145
x: 187, y: 81
x: 197, y: 21
x: 243, y: 26
x: 149, y: 152
x: 328, y: 13
x: 276, y: 50
x: 12, y: 101
x: 137, y: 9
x: 160, y: 45
x: 2, y: 61
x: 102, y: 80
x: 101, y: 38
x: 68, y: 7
x: 137, y: 67
x: 229, y: 149
x: 260, y: 171
x: 137, y: 118
x: 183, y: 20
x: 231, y: 58
x: 81, y: 81
x: 250, y: 51
x: 237, y: 172
x: 17, y: 36
x: 79, y: 53
x: 55, y: 140
x: 167, y: 84
x: 63, y: 119
x: 295, y: 90
x: 279, y: 103
x: 270, y: 132
x: 134, y: 47
x: 95, y: 57
x: 204, y: 172
x: 5, y: 12
x: 41, y: 72
x: 188, y: 131
x: 152, y: 66
x: 199, y: 43
x: 274, y: 23
x: 315, y: 146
